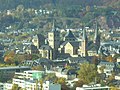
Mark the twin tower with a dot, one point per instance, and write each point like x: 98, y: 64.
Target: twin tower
x: 67, y: 46
x: 70, y: 45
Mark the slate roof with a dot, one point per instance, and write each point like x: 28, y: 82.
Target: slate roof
x: 1, y: 47
x: 115, y: 82
x: 115, y: 35
x: 32, y: 47
x: 68, y: 72
x: 15, y: 67
x: 39, y: 36
x: 45, y: 47
x: 89, y: 58
x: 43, y: 60
x: 91, y: 46
x: 75, y: 43
x: 69, y: 34
x: 64, y: 43
x: 77, y: 59
x: 106, y: 63
x: 71, y: 71
x: 60, y: 63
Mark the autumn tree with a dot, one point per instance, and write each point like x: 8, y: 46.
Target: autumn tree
x: 62, y: 81
x: 11, y: 58
x: 8, y: 58
x: 87, y: 73
x: 15, y: 87
x: 109, y: 58
x: 39, y: 67
x: 114, y: 88
x: 110, y: 79
x: 102, y: 69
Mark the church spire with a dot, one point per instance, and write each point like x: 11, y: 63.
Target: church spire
x: 84, y: 34
x: 53, y: 26
x: 84, y: 44
x: 96, y: 31
x: 97, y: 37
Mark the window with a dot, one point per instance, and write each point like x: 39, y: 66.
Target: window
x: 35, y: 40
x: 51, y: 35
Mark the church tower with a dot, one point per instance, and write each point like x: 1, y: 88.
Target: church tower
x: 54, y: 40
x: 84, y: 44
x: 97, y: 37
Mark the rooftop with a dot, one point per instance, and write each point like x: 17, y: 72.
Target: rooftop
x: 15, y: 67
x: 69, y: 34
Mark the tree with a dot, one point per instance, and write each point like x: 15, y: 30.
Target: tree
x: 116, y: 56
x: 95, y: 60
x: 62, y: 81
x: 1, y: 77
x: 11, y: 58
x: 40, y: 68
x: 114, y: 88
x: 87, y: 73
x: 8, y: 58
x: 78, y: 84
x: 110, y: 79
x: 102, y: 69
x: 51, y: 77
x: 41, y: 84
x: 35, y: 56
x: 109, y: 58
x: 15, y: 87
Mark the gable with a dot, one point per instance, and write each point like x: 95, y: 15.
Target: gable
x: 68, y: 45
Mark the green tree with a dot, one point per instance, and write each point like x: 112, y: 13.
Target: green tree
x: 35, y: 56
x: 51, y: 77
x: 78, y: 84
x: 87, y: 73
x: 15, y: 87
x: 110, y: 79
x: 1, y: 76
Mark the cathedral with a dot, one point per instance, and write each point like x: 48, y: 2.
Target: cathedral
x: 53, y: 47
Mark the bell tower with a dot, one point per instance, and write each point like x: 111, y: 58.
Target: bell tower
x: 54, y: 39
x: 97, y: 37
x: 84, y: 44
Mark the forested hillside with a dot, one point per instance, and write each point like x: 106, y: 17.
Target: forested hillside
x: 10, y: 4
x: 32, y: 14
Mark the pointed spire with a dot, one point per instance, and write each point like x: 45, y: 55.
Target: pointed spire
x: 96, y: 31
x: 53, y: 26
x: 84, y: 34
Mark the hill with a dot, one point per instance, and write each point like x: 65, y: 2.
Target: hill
x: 74, y: 13
x: 10, y: 4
